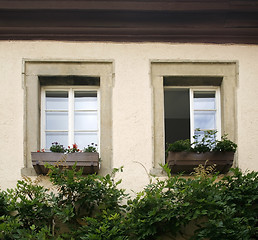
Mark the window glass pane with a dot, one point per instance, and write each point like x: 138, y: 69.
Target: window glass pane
x: 83, y: 139
x: 84, y: 100
x: 177, y: 114
x: 85, y: 121
x: 60, y: 137
x: 57, y: 100
x: 200, y: 135
x: 205, y: 120
x: 204, y: 100
x: 56, y: 120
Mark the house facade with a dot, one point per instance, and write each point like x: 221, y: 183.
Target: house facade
x: 131, y: 70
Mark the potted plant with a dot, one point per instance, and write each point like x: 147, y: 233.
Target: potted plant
x: 184, y: 156
x: 87, y: 159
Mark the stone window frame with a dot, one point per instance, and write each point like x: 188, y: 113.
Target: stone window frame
x: 33, y: 70
x: 192, y: 73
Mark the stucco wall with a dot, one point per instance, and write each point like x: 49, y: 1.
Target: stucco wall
x: 132, y: 99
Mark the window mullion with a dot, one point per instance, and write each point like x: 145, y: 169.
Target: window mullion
x: 218, y: 114
x: 43, y: 119
x: 98, y: 112
x: 191, y: 114
x: 71, y: 117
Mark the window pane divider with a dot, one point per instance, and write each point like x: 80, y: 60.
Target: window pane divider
x: 86, y: 131
x: 85, y: 110
x: 205, y: 110
x: 50, y: 110
x: 210, y: 129
x: 56, y: 130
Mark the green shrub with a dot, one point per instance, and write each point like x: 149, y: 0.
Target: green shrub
x: 224, y: 209
x: 3, y: 204
x: 91, y: 207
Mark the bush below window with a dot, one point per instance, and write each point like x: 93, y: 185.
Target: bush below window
x: 91, y: 208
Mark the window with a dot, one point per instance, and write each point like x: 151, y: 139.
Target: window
x: 189, y: 109
x: 69, y: 115
x: 196, y: 83
x: 77, y: 83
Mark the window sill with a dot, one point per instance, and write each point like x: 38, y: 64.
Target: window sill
x: 28, y: 172
x: 88, y: 161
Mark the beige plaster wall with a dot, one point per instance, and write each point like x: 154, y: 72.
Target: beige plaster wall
x: 132, y: 98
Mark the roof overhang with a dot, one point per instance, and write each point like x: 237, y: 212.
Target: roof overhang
x: 205, y: 21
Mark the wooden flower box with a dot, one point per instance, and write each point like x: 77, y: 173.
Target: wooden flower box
x: 187, y: 161
x: 89, y: 161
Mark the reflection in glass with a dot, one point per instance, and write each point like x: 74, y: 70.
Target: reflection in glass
x: 85, y: 121
x: 84, y: 139
x: 56, y: 120
x: 200, y: 134
x: 60, y: 137
x: 85, y: 100
x: 57, y: 100
x: 205, y: 120
x: 204, y: 100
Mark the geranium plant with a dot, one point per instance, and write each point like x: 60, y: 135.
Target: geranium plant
x: 73, y: 149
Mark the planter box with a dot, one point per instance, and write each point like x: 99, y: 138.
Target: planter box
x: 187, y: 161
x: 89, y: 161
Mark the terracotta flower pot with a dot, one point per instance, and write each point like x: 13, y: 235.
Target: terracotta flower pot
x: 89, y: 161
x: 187, y: 161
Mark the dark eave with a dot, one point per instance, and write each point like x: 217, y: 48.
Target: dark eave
x: 131, y: 5
x: 199, y: 21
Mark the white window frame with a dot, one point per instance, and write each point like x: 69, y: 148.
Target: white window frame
x: 217, y: 109
x: 192, y: 89
x: 70, y: 90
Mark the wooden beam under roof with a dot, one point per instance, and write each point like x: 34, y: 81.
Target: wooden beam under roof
x: 206, y: 21
x: 131, y: 5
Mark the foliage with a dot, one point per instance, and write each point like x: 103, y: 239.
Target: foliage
x: 91, y: 207
x: 3, y: 204
x: 203, y: 143
x: 56, y: 147
x: 221, y: 209
x: 179, y: 146
x: 225, y: 145
x: 91, y: 148
x: 11, y: 228
x: 32, y: 203
x: 106, y: 226
x: 81, y: 196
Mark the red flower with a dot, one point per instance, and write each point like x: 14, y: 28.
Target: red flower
x: 38, y: 151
